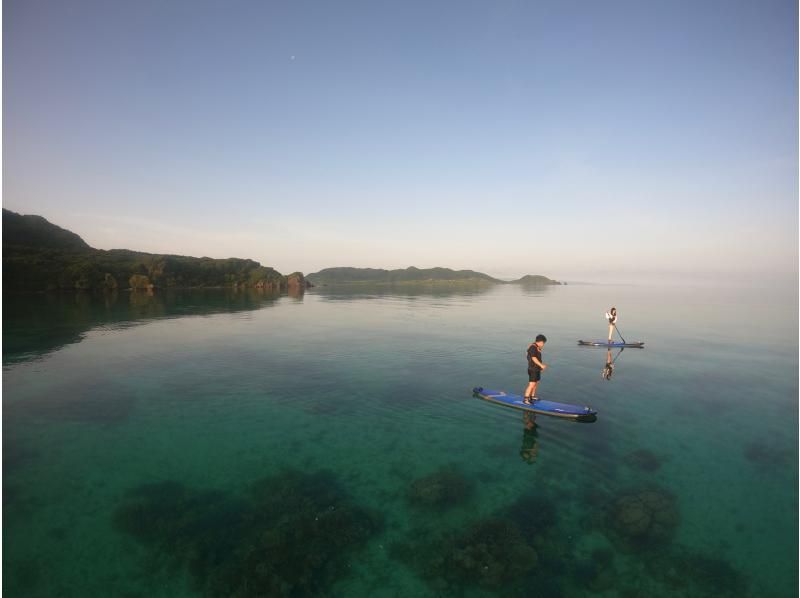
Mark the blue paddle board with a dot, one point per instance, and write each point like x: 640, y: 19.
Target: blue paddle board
x: 543, y: 407
x: 638, y: 345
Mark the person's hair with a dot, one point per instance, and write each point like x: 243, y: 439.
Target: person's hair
x: 541, y: 337
x: 613, y: 311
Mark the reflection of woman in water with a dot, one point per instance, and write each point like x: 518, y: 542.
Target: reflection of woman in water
x: 608, y: 368
x: 530, y: 444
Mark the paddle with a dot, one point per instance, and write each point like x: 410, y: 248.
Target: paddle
x: 620, y: 334
x: 621, y: 349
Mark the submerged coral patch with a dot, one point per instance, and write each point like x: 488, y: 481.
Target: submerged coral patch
x: 643, y: 460
x: 489, y: 553
x: 642, y: 519
x: 595, y: 575
x: 444, y: 488
x: 532, y: 513
x: 690, y: 573
x: 503, y: 553
x: 184, y: 526
x: 290, y: 536
x: 768, y: 456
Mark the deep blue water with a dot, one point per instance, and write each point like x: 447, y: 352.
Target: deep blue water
x: 215, y: 443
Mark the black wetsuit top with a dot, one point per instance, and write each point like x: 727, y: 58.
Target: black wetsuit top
x: 534, y: 351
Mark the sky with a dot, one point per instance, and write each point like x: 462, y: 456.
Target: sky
x: 571, y: 139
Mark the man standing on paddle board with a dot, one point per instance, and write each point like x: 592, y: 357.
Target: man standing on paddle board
x: 535, y: 368
x: 611, y: 316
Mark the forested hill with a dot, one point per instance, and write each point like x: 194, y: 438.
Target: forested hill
x: 40, y: 256
x: 350, y: 276
x: 36, y: 232
x: 535, y: 280
x: 334, y: 276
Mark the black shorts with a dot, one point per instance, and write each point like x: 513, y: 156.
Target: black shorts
x: 534, y: 375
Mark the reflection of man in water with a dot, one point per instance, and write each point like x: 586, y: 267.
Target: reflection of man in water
x: 608, y: 368
x: 530, y: 444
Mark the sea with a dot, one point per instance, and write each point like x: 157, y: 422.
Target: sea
x: 240, y: 443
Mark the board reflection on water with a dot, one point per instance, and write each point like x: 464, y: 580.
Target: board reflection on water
x: 217, y: 443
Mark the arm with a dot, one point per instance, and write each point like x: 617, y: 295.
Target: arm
x: 539, y: 363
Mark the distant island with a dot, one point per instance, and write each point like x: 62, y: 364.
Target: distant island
x: 376, y: 276
x: 535, y: 280
x: 40, y: 256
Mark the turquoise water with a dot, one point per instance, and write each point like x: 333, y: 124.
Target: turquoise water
x: 215, y: 443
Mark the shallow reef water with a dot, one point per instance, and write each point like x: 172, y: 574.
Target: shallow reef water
x: 204, y: 444
x: 289, y: 535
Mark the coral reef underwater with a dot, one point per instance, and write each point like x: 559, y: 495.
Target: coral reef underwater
x: 290, y: 535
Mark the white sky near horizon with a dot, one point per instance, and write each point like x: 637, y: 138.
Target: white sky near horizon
x: 585, y: 142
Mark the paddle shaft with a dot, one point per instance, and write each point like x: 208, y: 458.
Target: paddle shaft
x: 621, y: 349
x: 620, y: 334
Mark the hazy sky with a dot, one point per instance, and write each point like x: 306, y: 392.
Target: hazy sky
x: 552, y: 137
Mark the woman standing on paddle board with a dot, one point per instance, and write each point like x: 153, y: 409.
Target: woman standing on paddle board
x: 611, y: 316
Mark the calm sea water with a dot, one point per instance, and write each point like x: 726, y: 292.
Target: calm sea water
x: 214, y: 443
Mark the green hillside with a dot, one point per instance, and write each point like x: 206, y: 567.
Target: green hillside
x: 36, y: 232
x: 40, y: 256
x: 535, y: 280
x: 376, y: 276
x: 347, y: 276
